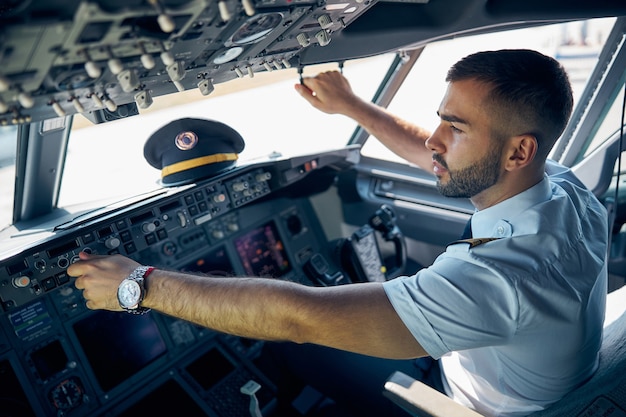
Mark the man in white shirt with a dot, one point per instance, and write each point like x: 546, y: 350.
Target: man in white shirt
x: 517, y: 320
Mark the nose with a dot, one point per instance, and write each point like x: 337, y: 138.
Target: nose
x: 434, y: 142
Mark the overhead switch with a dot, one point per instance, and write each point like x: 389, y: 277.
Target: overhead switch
x: 325, y: 21
x: 323, y: 38
x: 128, y: 79
x: 143, y: 99
x: 206, y: 87
x: 303, y: 40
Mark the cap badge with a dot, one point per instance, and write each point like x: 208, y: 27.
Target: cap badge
x: 186, y: 140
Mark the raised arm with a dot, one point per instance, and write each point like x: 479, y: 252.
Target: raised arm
x: 331, y: 93
x: 357, y: 318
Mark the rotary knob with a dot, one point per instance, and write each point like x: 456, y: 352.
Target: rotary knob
x: 148, y: 227
x: 21, y: 281
x: 303, y: 40
x: 325, y: 21
x: 112, y: 243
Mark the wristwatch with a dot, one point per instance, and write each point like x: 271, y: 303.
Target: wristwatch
x: 132, y: 291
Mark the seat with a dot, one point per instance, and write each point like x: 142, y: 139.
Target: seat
x: 603, y: 395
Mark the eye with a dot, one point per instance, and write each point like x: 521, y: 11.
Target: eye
x: 455, y: 129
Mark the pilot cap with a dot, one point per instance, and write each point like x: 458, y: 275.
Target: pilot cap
x: 187, y: 150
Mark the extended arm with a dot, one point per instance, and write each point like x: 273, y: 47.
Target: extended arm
x: 356, y: 318
x: 331, y: 93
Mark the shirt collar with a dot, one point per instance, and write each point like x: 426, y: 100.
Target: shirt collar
x: 496, y: 221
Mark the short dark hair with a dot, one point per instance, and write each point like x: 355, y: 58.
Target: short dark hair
x: 531, y: 92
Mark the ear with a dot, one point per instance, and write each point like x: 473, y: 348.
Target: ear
x: 522, y: 151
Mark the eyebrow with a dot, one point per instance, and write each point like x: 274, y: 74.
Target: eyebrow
x: 452, y: 118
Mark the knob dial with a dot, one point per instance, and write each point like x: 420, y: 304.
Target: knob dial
x: 112, y: 243
x: 148, y: 227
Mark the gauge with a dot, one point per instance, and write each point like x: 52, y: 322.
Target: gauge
x: 256, y: 28
x: 67, y: 394
x: 228, y: 55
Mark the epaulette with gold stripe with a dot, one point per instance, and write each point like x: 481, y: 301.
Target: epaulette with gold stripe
x: 474, y: 241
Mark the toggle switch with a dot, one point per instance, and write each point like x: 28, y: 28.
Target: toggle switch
x: 128, y: 79
x: 58, y: 109
x: 109, y: 104
x: 167, y: 58
x: 147, y: 61
x: 166, y: 23
x: 224, y: 12
x: 96, y: 101
x: 115, y: 66
x: 206, y: 87
x: 93, y: 69
x: 77, y: 105
x: 26, y: 100
x: 5, y: 84
x: 176, y: 71
x: 323, y: 38
x: 143, y: 99
x: 248, y: 6
x: 251, y: 388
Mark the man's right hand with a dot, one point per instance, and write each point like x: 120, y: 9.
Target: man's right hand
x: 331, y: 93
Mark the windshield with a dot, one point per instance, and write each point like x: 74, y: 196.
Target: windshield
x: 106, y: 160
x: 105, y: 163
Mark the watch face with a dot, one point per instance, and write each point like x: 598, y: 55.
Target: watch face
x: 129, y: 293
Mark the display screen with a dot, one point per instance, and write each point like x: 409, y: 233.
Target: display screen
x: 13, y: 401
x: 214, y: 263
x: 262, y: 253
x: 31, y: 321
x: 61, y: 249
x: 118, y: 345
x: 210, y: 368
x: 167, y: 400
x: 49, y: 360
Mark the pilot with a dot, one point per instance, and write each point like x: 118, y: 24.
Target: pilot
x: 513, y: 316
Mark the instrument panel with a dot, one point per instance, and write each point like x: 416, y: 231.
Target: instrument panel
x: 60, y: 358
x: 101, y: 57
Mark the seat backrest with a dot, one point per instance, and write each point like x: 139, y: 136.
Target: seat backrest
x: 605, y: 393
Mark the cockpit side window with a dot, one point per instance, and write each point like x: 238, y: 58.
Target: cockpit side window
x: 576, y: 45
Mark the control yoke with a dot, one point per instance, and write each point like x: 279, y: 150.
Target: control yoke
x: 360, y: 255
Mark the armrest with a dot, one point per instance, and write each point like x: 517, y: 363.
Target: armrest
x: 418, y: 399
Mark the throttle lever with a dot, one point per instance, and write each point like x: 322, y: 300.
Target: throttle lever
x: 384, y: 220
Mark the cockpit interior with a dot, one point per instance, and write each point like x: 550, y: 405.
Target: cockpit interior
x: 312, y: 199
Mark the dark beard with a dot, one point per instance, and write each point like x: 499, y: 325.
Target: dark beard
x: 469, y: 181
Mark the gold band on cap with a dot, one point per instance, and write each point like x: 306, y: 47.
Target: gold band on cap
x: 197, y: 162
